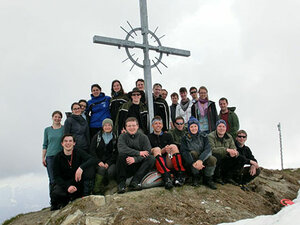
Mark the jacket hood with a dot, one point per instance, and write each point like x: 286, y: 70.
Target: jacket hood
x: 191, y: 121
x: 232, y: 109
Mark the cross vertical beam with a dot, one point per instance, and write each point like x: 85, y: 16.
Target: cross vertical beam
x: 147, y: 64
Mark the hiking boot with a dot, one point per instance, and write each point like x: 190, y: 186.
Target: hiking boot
x: 135, y: 186
x: 210, y: 183
x: 180, y: 179
x: 122, y: 187
x: 196, y: 180
x: 244, y: 187
x: 167, y: 180
x: 219, y: 180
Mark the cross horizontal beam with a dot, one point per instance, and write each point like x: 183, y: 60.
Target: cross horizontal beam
x: 131, y: 44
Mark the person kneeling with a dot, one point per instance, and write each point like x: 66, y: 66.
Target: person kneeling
x: 134, y: 156
x: 68, y: 168
x: 166, y: 154
x: 197, y: 155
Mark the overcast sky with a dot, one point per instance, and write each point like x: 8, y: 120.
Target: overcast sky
x: 247, y: 51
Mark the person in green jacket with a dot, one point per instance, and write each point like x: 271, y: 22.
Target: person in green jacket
x: 230, y: 117
x: 179, y: 131
x: 222, y: 146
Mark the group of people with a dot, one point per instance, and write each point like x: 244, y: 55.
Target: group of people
x: 108, y: 138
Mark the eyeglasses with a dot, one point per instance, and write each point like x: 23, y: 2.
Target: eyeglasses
x: 193, y: 92
x: 136, y: 95
x: 241, y: 136
x: 179, y: 123
x: 76, y: 109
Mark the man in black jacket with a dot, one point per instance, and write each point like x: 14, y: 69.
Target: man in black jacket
x: 68, y: 169
x: 134, y: 156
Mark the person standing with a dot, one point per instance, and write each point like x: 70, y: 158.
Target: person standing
x: 51, y: 145
x: 76, y: 125
x: 173, y: 108
x: 205, y: 111
x: 231, y: 119
x: 185, y: 105
x: 164, y: 94
x: 98, y: 109
x: 194, y: 94
x: 140, y: 84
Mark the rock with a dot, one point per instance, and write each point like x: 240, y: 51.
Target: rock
x: 98, y: 200
x: 95, y: 221
x: 73, y: 217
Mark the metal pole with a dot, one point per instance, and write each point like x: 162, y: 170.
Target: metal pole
x: 280, y: 142
x: 147, y: 64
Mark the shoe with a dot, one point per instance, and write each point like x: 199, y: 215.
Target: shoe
x: 210, y: 183
x: 244, y: 187
x: 168, y: 181
x: 196, y: 181
x: 122, y: 187
x: 219, y: 180
x: 180, y: 179
x: 135, y: 186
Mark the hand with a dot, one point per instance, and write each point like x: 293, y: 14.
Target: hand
x: 144, y: 154
x: 198, y: 165
x: 106, y: 166
x: 168, y: 149
x: 123, y: 131
x: 255, y: 164
x: 130, y: 160
x: 44, y: 162
x: 232, y: 152
x: 101, y: 164
x: 78, y: 174
x: 252, y: 170
x: 72, y: 189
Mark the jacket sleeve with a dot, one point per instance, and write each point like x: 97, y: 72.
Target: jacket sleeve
x: 65, y: 184
x: 114, y: 156
x: 207, y: 150
x: 45, y: 141
x: 124, y: 149
x: 185, y: 152
x: 216, y: 150
x: 235, y: 124
x: 67, y: 126
x: 88, y: 160
x: 93, y: 149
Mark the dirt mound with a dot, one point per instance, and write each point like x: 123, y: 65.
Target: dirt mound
x: 183, y: 205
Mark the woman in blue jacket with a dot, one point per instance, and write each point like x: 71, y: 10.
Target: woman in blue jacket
x: 98, y: 109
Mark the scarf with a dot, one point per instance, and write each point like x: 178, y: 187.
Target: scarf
x: 107, y: 137
x: 185, y: 105
x: 203, y: 109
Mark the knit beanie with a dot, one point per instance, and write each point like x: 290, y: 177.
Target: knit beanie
x: 107, y: 120
x: 221, y: 121
x: 191, y: 121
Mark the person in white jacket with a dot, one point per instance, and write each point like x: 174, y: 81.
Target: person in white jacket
x: 185, y: 105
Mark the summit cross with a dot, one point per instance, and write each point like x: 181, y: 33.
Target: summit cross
x: 127, y: 44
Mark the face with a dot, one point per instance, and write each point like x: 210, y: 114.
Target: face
x: 82, y: 106
x: 107, y: 128
x: 132, y: 127
x: 68, y: 143
x: 223, y: 105
x: 194, y: 128
x: 174, y: 99
x: 136, y: 97
x: 56, y: 118
x: 116, y: 87
x: 179, y: 124
x: 221, y: 129
x: 157, y: 91
x: 140, y: 85
x: 157, y: 126
x: 203, y: 94
x: 96, y: 91
x: 76, y: 110
x: 194, y: 93
x: 164, y: 94
x: 241, y: 138
x: 183, y: 95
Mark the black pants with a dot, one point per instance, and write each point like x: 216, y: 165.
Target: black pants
x: 61, y: 196
x: 137, y: 170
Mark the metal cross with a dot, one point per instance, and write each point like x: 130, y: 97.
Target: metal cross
x: 146, y: 47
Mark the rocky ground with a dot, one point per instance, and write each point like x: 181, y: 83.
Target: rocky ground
x: 182, y: 205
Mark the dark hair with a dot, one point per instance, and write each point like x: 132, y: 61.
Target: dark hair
x: 179, y: 118
x: 141, y: 80
x: 191, y: 88
x: 57, y: 112
x: 174, y: 94
x: 67, y: 135
x: 182, y: 89
x: 223, y: 99
x: 157, y: 84
x: 95, y: 85
x: 242, y: 132
x: 112, y: 87
x: 75, y: 103
x: 202, y: 87
x: 131, y: 119
x: 83, y: 100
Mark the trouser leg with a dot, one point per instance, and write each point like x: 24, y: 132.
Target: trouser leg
x: 145, y: 166
x: 246, y: 177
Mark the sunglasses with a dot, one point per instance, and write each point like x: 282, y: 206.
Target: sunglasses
x: 240, y: 136
x: 193, y: 92
x: 179, y: 123
x: 136, y: 95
